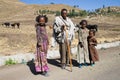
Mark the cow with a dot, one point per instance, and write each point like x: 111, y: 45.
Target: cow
x: 93, y: 27
x: 90, y: 27
x: 7, y: 24
x: 15, y: 24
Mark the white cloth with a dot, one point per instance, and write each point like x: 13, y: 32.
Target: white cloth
x: 53, y: 42
x: 59, y: 21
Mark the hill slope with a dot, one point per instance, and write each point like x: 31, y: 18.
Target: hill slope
x: 16, y: 10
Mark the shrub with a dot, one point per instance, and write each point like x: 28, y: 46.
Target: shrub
x: 10, y: 62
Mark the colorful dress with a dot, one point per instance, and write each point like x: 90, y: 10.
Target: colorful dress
x: 42, y: 39
x: 83, y: 54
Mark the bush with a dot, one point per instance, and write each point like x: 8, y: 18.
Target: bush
x: 57, y: 13
x: 10, y: 62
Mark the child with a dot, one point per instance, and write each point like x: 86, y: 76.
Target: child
x: 83, y: 54
x: 42, y: 44
x: 92, y: 42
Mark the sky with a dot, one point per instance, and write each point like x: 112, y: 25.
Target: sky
x: 83, y: 4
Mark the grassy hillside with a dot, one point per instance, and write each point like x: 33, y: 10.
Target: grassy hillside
x: 16, y: 10
x: 14, y: 41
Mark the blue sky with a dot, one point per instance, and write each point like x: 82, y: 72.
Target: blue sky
x: 83, y: 4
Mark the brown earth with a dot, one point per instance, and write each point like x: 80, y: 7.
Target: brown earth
x: 23, y: 40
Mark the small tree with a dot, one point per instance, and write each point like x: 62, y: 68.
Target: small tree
x: 44, y: 11
x: 72, y: 13
x: 57, y: 13
x: 97, y: 10
x: 109, y: 10
x: 83, y: 13
x: 40, y: 11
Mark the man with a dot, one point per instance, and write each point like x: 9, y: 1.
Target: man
x: 63, y: 31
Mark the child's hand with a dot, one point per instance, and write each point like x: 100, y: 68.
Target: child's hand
x: 39, y: 44
x: 91, y: 43
x: 81, y: 45
x: 41, y: 48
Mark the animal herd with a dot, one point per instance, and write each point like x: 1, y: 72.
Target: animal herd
x: 17, y: 25
x: 12, y: 25
x: 91, y: 27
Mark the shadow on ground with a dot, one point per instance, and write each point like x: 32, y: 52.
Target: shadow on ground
x: 56, y: 62
x: 31, y: 66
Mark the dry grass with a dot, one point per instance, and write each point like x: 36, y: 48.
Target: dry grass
x: 17, y: 39
x: 14, y: 10
x: 14, y: 41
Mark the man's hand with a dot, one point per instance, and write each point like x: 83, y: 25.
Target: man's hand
x: 64, y: 27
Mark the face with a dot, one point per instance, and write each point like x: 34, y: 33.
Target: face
x: 64, y: 14
x: 91, y: 34
x: 84, y: 24
x: 42, y: 20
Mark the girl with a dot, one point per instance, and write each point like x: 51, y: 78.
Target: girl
x: 83, y: 54
x: 42, y: 44
x: 92, y: 42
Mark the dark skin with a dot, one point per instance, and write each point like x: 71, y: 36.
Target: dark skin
x: 83, y: 26
x: 42, y: 20
x: 92, y: 34
x: 64, y: 16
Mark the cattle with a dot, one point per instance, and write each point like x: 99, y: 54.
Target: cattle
x: 90, y: 27
x: 93, y: 27
x: 15, y: 24
x: 7, y: 24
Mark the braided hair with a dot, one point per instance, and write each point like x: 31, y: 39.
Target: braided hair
x: 41, y: 16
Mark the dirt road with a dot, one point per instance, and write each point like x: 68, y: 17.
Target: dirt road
x: 108, y: 68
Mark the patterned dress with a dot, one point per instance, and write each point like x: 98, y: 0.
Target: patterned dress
x: 83, y: 54
x: 42, y: 39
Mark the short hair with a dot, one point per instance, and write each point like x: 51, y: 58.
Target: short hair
x: 42, y: 16
x: 63, y: 10
x: 83, y: 21
x: 92, y: 31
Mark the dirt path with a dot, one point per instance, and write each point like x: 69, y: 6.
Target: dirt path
x: 107, y: 69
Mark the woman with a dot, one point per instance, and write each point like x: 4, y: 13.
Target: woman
x: 83, y: 55
x: 42, y: 44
